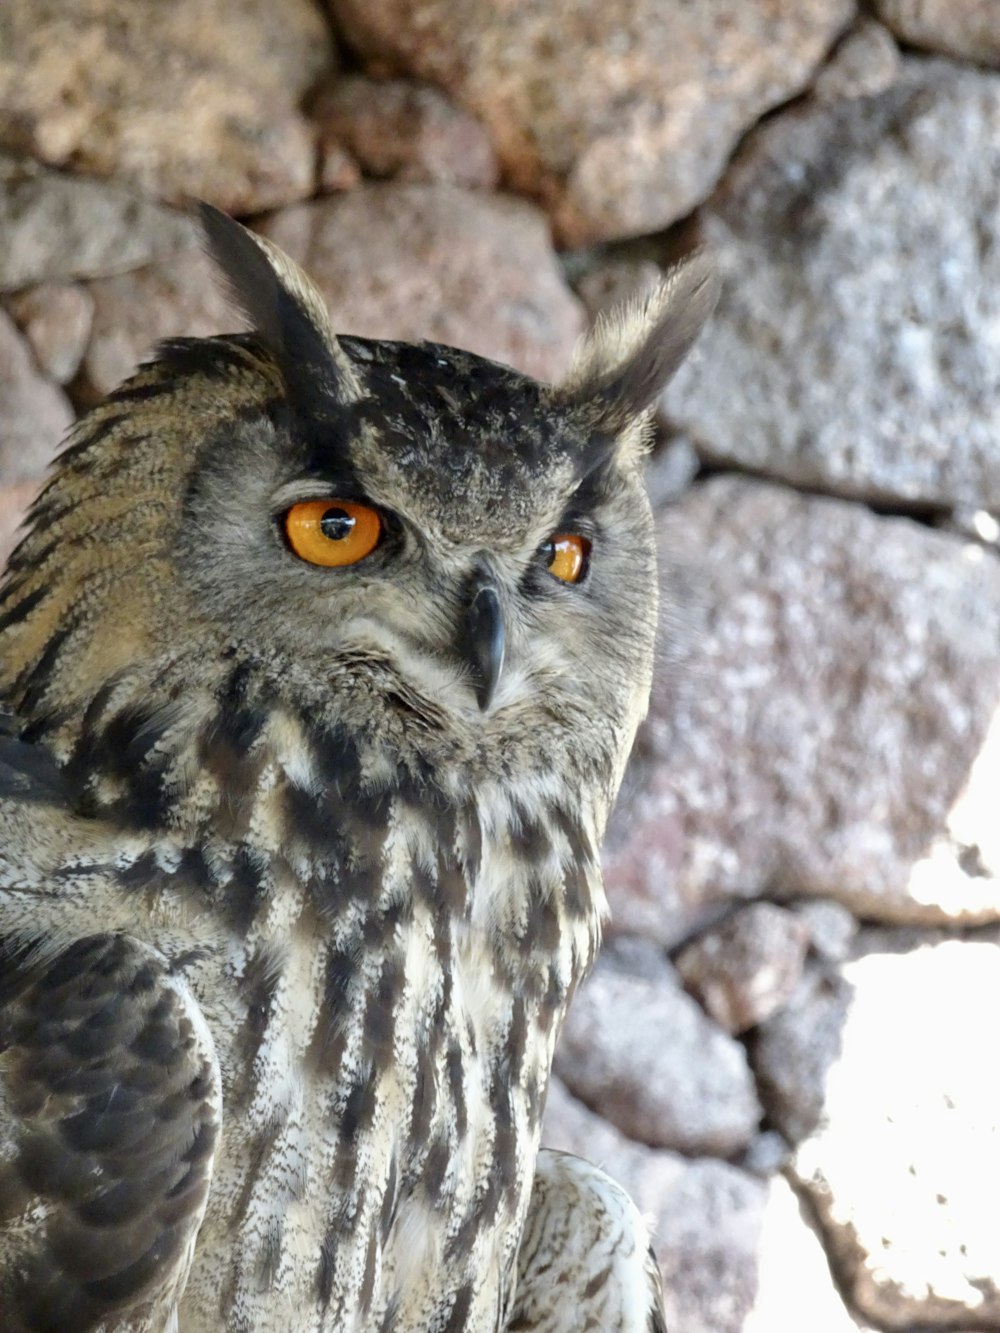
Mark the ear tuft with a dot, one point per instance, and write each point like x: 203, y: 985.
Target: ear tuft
x: 281, y: 303
x: 627, y: 360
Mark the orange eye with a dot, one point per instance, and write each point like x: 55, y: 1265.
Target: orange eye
x: 566, y: 555
x: 332, y: 532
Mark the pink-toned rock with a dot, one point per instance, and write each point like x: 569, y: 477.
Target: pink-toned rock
x: 969, y: 29
x: 190, y: 97
x: 182, y: 296
x: 56, y: 319
x: 748, y: 968
x: 841, y: 357
x: 707, y: 1217
x: 15, y: 501
x: 825, y: 722
x: 639, y: 1049
x: 409, y: 131
x: 35, y: 415
x: 620, y: 115
x: 434, y: 262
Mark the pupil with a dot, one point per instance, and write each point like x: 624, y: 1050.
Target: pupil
x: 336, y: 524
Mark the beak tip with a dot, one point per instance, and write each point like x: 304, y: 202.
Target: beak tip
x: 485, y: 643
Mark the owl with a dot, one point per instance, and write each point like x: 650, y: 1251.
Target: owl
x: 321, y: 659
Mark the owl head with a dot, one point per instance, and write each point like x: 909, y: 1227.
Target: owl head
x: 411, y: 540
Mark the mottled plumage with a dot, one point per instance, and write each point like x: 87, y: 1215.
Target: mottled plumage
x: 299, y: 865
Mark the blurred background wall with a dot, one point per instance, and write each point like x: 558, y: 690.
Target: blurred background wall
x: 787, y: 1051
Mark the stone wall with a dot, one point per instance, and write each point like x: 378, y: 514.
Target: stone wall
x: 786, y: 1051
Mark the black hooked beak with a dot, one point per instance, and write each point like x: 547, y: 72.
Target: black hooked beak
x: 485, y: 639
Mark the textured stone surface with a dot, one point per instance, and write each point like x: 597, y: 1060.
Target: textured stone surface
x: 745, y: 970
x: 856, y: 340
x: 194, y: 97
x: 643, y: 1052
x: 56, y: 319
x: 405, y: 130
x: 436, y: 262
x: 904, y: 1169
x: 969, y: 28
x: 707, y: 1217
x: 830, y: 926
x: 620, y: 115
x: 54, y: 227
x: 826, y: 718
x: 181, y: 296
x: 865, y: 63
x: 34, y: 415
x: 793, y: 1052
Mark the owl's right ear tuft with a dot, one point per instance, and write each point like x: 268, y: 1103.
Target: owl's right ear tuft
x: 283, y: 306
x: 627, y: 360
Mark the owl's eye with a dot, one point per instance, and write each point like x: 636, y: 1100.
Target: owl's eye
x: 566, y: 555
x: 332, y: 532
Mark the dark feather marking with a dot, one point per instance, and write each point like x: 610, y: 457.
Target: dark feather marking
x: 367, y: 1293
x: 424, y: 1094
x: 326, y: 1269
x: 20, y: 610
x: 387, y: 1212
x: 460, y: 1310
x: 379, y: 1022
x: 30, y: 773
x: 454, y: 1066
x: 435, y: 1169
x: 125, y: 1167
x: 248, y: 886
x: 358, y: 1109
x: 269, y: 1257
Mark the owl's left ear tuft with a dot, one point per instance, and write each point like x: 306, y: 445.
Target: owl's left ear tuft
x: 629, y: 357
x: 281, y: 303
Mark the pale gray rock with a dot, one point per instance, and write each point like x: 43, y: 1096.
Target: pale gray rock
x: 55, y: 227
x: 865, y: 63
x: 825, y: 720
x: 855, y: 347
x: 793, y: 1052
x: 432, y: 261
x: 619, y: 115
x: 707, y: 1217
x: 903, y: 1167
x: 746, y: 969
x: 35, y: 414
x: 191, y: 98
x: 56, y: 319
x: 642, y: 1052
x: 968, y: 29
x: 671, y: 470
x: 830, y: 926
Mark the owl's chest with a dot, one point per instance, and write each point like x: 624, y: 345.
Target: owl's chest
x: 384, y: 1089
